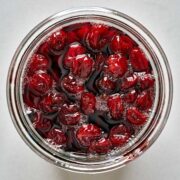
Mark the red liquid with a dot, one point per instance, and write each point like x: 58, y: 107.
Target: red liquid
x: 88, y: 87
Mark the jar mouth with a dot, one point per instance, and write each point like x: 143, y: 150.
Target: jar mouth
x: 160, y: 112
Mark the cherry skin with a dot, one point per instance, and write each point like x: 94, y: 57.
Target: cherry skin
x: 56, y: 136
x: 119, y: 135
x: 121, y: 44
x: 144, y: 100
x: 52, y: 102
x: 130, y: 97
x: 106, y: 84
x: 41, y: 124
x: 83, y: 31
x: 44, y: 49
x: 39, y: 84
x: 117, y: 65
x: 69, y: 114
x: 87, y: 133
x: 72, y: 37
x: 82, y: 66
x: 138, y: 60
x: 57, y: 40
x: 115, y: 105
x: 129, y: 82
x: 101, y: 146
x: 146, y: 81
x: 95, y: 39
x: 73, y: 50
x: 69, y: 83
x: 38, y: 62
x: 135, y: 117
x: 88, y: 103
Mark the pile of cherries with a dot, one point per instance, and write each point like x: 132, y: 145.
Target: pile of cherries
x: 88, y: 88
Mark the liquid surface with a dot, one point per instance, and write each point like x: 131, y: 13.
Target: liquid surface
x: 88, y: 88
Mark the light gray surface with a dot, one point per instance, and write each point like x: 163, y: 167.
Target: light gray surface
x: 18, y: 17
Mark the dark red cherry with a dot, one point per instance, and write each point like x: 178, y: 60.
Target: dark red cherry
x: 87, y: 133
x: 99, y: 60
x: 144, y: 100
x: 57, y: 40
x: 42, y: 124
x: 71, y: 85
x: 138, y: 60
x: 52, y: 102
x: 30, y: 99
x: 88, y: 103
x: 135, y: 116
x: 73, y: 50
x: 119, y: 135
x: 146, y: 81
x: 115, y: 106
x: 117, y: 65
x: 56, y: 136
x: 39, y: 84
x: 129, y: 82
x: 121, y: 44
x: 69, y: 114
x: 101, y: 146
x: 106, y: 84
x: 38, y: 62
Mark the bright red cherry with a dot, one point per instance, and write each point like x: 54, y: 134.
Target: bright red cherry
x: 131, y: 96
x: 121, y: 44
x: 115, y: 105
x: 135, y: 117
x: 73, y: 50
x: 40, y: 84
x: 38, y: 62
x: 87, y: 133
x: 83, y: 30
x: 96, y: 39
x: 117, y: 65
x: 138, y: 60
x: 72, y: 37
x: 129, y: 82
x: 146, y: 81
x: 144, y: 100
x: 44, y: 49
x: 82, y: 66
x: 88, y: 103
x: 119, y: 135
x: 71, y: 85
x: 57, y: 40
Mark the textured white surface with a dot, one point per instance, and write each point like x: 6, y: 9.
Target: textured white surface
x: 18, y: 17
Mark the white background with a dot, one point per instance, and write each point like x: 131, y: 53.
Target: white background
x: 162, y: 18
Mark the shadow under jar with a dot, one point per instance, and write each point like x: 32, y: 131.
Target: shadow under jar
x: 82, y: 99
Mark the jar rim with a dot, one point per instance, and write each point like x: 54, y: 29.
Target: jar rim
x: 167, y: 89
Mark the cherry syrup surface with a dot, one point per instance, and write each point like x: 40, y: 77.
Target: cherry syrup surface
x: 88, y: 88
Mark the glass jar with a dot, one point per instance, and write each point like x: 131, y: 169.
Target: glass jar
x: 160, y: 111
